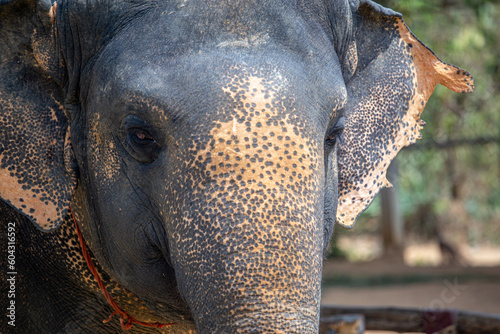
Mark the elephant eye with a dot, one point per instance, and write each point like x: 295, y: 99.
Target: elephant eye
x: 141, y: 137
x: 334, y: 132
x: 140, y: 141
x: 141, y: 145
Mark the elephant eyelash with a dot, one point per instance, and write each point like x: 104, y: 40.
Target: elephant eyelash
x: 138, y: 128
x: 335, y: 135
x: 332, y: 139
x: 142, y: 136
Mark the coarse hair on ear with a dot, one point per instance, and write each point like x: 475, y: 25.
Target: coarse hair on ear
x: 38, y: 172
x: 390, y: 77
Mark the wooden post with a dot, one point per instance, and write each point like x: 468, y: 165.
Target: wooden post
x: 392, y: 221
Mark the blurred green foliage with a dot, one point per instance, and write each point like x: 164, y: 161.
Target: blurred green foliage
x: 458, y: 185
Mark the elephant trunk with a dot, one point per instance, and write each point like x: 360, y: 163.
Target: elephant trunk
x: 256, y: 278
x: 246, y: 233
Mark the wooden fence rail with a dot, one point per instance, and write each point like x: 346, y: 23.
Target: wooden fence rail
x: 411, y: 320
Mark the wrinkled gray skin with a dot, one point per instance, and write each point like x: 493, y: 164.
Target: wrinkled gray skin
x: 196, y: 142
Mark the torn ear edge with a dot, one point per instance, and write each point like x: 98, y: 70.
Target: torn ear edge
x: 428, y: 70
x: 431, y: 70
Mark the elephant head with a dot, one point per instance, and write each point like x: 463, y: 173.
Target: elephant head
x: 208, y: 147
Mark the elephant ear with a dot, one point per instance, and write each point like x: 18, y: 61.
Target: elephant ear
x: 390, y: 76
x: 37, y: 174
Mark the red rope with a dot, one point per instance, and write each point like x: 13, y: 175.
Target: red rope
x: 126, y: 320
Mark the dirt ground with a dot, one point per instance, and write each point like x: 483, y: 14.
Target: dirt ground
x: 403, y: 281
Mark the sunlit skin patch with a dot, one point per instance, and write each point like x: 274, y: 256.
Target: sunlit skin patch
x: 263, y: 166
x: 102, y: 153
x: 416, y: 71
x: 351, y: 59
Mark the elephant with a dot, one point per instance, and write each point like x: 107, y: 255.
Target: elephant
x: 204, y: 149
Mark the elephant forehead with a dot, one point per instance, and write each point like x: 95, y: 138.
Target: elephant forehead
x: 265, y: 143
x: 255, y: 89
